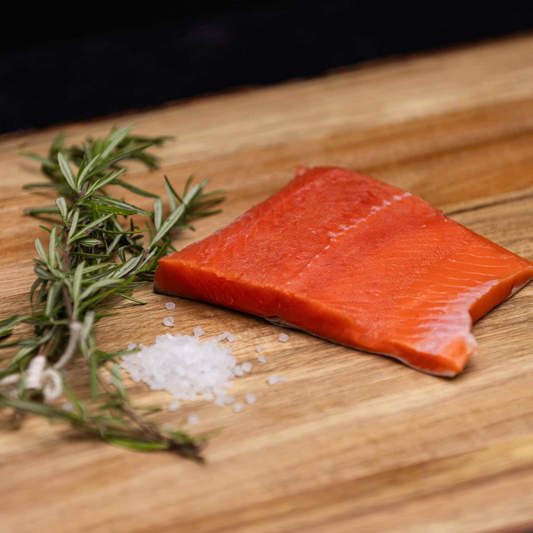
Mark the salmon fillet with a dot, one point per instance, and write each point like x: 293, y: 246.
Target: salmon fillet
x: 351, y: 259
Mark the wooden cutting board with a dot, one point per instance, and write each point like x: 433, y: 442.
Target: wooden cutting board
x: 352, y: 441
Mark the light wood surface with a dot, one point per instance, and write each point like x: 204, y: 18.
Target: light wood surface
x: 352, y: 442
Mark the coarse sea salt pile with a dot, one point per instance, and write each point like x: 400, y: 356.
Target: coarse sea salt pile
x: 187, y: 368
x: 184, y: 366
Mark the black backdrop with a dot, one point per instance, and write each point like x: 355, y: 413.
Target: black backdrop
x: 66, y: 60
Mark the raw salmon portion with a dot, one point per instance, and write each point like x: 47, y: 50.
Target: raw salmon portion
x: 351, y: 259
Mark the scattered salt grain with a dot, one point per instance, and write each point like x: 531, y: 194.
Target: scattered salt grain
x: 283, y: 337
x: 250, y: 398
x: 198, y: 331
x: 238, y: 407
x: 262, y: 359
x: 174, y: 406
x: 132, y: 346
x: 259, y: 349
x: 67, y: 406
x: 272, y: 380
x: 219, y: 402
x: 170, y: 305
x: 246, y: 367
x: 208, y: 396
x: 192, y: 420
x: 231, y: 337
x: 168, y: 321
x: 237, y: 371
x: 222, y: 336
x: 228, y: 400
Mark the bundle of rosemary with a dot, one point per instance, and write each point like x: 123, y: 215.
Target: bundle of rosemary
x: 90, y: 259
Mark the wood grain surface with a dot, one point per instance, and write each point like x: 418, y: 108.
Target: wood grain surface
x: 352, y: 442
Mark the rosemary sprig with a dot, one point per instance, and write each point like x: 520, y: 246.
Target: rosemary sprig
x: 90, y: 257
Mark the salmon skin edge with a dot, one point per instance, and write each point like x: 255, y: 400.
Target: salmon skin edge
x: 283, y: 324
x: 277, y: 321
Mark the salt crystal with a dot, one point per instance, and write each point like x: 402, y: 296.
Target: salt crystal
x: 174, y: 406
x: 259, y: 348
x: 237, y: 371
x: 67, y: 406
x: 222, y: 336
x: 283, y: 337
x: 168, y: 321
x: 250, y: 398
x: 219, y: 402
x: 192, y: 420
x: 231, y: 337
x: 272, y: 380
x: 132, y: 346
x: 170, y: 305
x: 238, y: 407
x: 183, y: 366
x: 262, y: 359
x: 228, y: 400
x: 198, y: 331
x: 246, y: 367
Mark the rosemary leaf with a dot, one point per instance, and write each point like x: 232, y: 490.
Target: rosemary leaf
x: 67, y: 172
x: 134, y: 189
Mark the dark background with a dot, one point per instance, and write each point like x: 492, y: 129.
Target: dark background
x: 67, y: 61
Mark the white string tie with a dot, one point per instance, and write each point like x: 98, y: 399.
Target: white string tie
x: 52, y: 385
x: 34, y: 373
